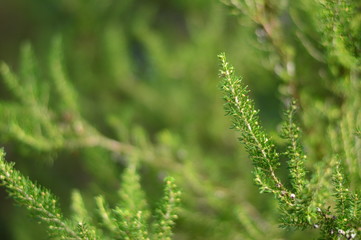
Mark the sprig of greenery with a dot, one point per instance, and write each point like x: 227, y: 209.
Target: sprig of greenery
x: 294, y: 204
x: 245, y: 120
x: 166, y: 211
x: 132, y: 213
x: 128, y: 220
x: 291, y: 132
x: 40, y: 202
x: 301, y: 207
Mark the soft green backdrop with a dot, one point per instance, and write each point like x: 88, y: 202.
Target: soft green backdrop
x: 146, y: 73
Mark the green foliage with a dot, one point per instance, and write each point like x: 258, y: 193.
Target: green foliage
x: 166, y: 215
x: 296, y: 207
x: 102, y: 153
x: 245, y: 120
x: 53, y: 119
x: 292, y: 133
x: 341, y: 31
x: 125, y: 221
x: 116, y: 88
x: 262, y: 150
x: 325, y: 196
x: 39, y: 201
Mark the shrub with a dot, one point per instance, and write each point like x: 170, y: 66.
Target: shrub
x: 108, y: 89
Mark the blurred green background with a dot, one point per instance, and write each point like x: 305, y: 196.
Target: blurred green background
x: 146, y: 73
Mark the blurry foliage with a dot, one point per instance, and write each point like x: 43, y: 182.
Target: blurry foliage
x: 101, y: 81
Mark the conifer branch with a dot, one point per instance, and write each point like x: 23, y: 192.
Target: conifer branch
x: 39, y: 201
x: 13, y: 84
x: 58, y: 74
x: 77, y: 206
x: 342, y: 193
x: 166, y: 212
x: 310, y: 205
x: 131, y: 194
x: 355, y: 206
x: 245, y: 120
x: 86, y: 232
x: 106, y: 216
x: 294, y: 152
x: 131, y: 226
x: 127, y: 221
x: 132, y: 212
